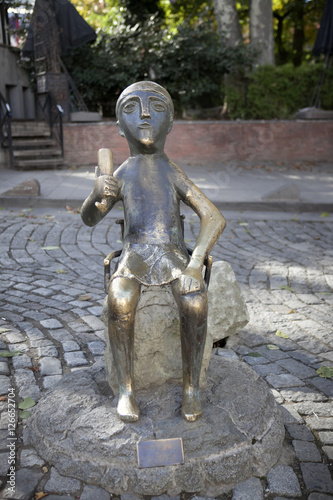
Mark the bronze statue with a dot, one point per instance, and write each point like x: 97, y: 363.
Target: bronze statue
x: 154, y: 253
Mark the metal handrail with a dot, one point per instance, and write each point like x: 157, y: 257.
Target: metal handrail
x: 76, y: 101
x: 53, y: 114
x: 6, y: 128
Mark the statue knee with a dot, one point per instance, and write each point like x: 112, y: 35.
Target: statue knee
x: 123, y: 297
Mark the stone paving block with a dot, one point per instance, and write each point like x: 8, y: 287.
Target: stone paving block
x: 319, y: 409
x: 14, y: 337
x: 47, y: 351
x: 4, y: 368
x: 306, y: 451
x: 93, y: 322
x: 282, y: 480
x: 317, y: 477
x: 299, y: 394
x: 4, y: 466
x: 323, y: 384
x: 284, y: 380
x: 272, y: 355
x: 328, y: 450
x: 297, y: 368
x: 94, y: 493
x: 300, y: 432
x: 75, y: 358
x: 319, y: 496
x: 225, y: 352
x: 61, y: 335
x: 51, y: 324
x: 21, y: 361
x: 26, y: 482
x: 4, y: 384
x: 161, y: 497
x: 50, y: 366
x: 248, y: 490
x: 290, y: 415
x: 253, y: 360
x: 326, y: 437
x: 23, y: 347
x: 61, y: 484
x: 51, y: 380
x: 97, y: 347
x: 29, y: 458
x: 269, y: 369
x: 70, y: 345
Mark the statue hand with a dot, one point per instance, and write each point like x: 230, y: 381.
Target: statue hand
x: 106, y: 186
x: 190, y: 281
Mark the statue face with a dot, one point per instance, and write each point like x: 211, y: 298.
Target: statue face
x: 145, y: 119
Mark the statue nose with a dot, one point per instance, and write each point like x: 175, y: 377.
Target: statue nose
x: 145, y: 111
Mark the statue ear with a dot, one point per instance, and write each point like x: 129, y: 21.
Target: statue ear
x: 120, y: 130
x: 170, y: 126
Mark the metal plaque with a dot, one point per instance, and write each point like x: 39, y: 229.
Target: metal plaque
x: 160, y: 452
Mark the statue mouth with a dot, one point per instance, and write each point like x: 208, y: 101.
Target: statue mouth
x: 145, y: 125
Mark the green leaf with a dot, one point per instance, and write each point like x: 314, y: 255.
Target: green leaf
x: 3, y: 330
x: 27, y: 403
x: 273, y: 347
x: 281, y: 334
x: 10, y: 354
x: 24, y: 414
x: 286, y: 287
x: 50, y: 248
x: 325, y: 371
x: 254, y: 354
x: 61, y: 271
x: 325, y: 214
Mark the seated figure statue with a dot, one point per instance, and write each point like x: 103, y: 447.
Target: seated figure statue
x: 151, y: 187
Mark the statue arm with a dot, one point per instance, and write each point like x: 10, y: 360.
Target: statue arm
x: 212, y: 224
x: 105, y: 194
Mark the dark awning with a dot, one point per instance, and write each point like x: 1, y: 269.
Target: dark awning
x: 324, y: 39
x: 73, y: 29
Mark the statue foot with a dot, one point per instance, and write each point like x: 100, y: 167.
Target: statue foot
x: 127, y: 408
x: 191, y: 407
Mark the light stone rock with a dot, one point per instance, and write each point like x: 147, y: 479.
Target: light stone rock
x: 239, y: 436
x: 157, y: 349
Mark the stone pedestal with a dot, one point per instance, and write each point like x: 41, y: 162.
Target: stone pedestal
x: 75, y: 428
x: 157, y: 350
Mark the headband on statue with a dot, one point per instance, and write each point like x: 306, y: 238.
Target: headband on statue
x: 145, y: 86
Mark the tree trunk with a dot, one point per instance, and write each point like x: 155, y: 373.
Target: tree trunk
x: 261, y: 30
x: 228, y: 21
x: 298, y: 39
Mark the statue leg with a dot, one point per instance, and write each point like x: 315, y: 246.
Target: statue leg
x: 123, y: 298
x: 193, y: 329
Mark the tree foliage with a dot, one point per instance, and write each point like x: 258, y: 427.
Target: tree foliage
x: 190, y: 63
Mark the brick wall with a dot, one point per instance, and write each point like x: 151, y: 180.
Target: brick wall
x: 211, y: 141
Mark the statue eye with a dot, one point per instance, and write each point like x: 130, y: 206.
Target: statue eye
x: 130, y: 107
x: 158, y: 106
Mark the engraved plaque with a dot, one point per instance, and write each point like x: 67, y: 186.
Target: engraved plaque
x: 160, y: 452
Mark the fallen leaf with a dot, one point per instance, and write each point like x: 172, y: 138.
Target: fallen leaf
x: 34, y: 369
x: 286, y: 287
x: 10, y: 354
x: 281, y: 334
x: 325, y: 371
x: 254, y: 354
x: 3, y: 398
x: 292, y: 311
x: 27, y: 403
x: 61, y: 271
x: 3, y: 330
x: 325, y: 214
x: 45, y: 469
x: 40, y: 495
x: 85, y: 297
x: 50, y: 248
x: 242, y: 223
x: 273, y: 347
x: 24, y: 414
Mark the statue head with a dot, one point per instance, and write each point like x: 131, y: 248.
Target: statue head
x: 144, y: 112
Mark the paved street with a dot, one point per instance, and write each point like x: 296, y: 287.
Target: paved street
x: 51, y: 295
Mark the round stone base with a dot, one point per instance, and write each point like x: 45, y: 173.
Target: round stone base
x: 75, y: 427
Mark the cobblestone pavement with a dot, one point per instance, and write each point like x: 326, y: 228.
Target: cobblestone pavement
x: 51, y: 295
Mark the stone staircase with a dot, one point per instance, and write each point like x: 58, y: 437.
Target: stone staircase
x: 33, y: 147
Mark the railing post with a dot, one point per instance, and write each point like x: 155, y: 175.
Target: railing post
x: 10, y: 139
